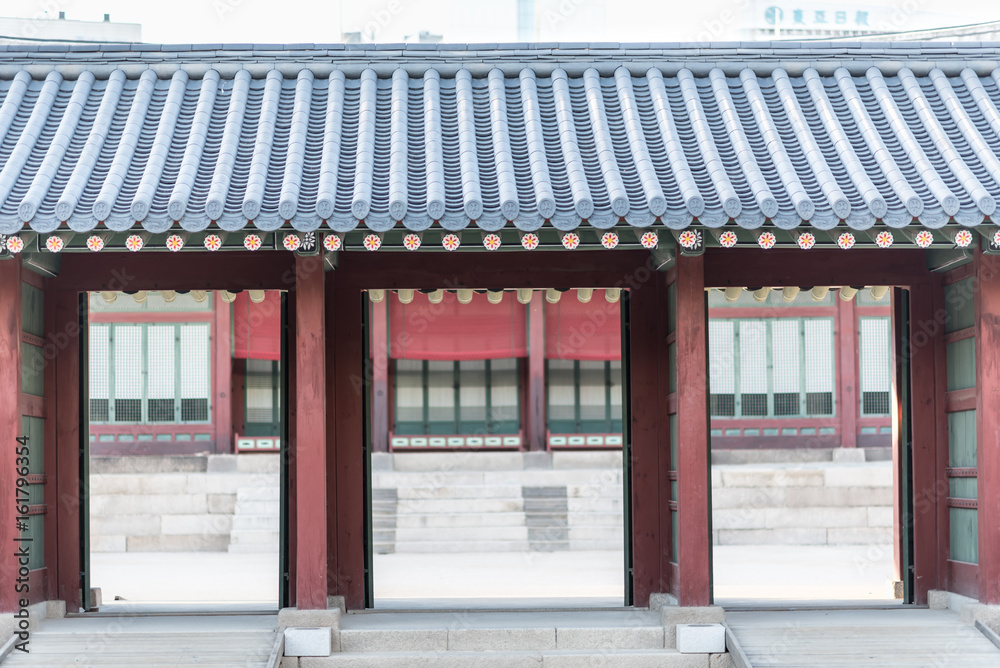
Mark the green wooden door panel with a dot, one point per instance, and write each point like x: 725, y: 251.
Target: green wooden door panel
x: 961, y: 364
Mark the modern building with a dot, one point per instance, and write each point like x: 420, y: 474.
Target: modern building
x: 372, y: 175
x: 43, y: 28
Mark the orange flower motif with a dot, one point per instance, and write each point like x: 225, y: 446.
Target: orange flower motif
x: 252, y: 242
x: 175, y: 242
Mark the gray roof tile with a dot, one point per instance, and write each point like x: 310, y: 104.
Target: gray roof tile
x: 488, y: 135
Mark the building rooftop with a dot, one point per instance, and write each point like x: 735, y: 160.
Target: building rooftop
x: 306, y: 136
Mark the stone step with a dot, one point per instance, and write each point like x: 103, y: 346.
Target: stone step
x: 600, y: 658
x: 258, y: 508
x: 438, y: 639
x: 263, y: 493
x: 459, y: 506
x: 253, y: 536
x: 427, y: 546
x: 431, y: 520
x: 458, y: 492
x: 460, y: 534
x: 244, y: 522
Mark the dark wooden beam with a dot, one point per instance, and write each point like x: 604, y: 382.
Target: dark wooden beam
x: 310, y: 438
x: 239, y: 270
x: 222, y: 377
x: 847, y: 359
x: 536, y: 269
x: 726, y: 267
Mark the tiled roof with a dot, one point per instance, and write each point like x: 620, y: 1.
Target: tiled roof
x: 486, y: 135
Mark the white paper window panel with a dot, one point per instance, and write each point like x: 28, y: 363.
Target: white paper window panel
x: 561, y: 390
x: 128, y: 361
x: 819, y: 354
x: 785, y: 349
x: 472, y: 389
x: 593, y: 395
x: 721, y: 356
x: 876, y: 354
x: 99, y: 363
x: 195, y: 356
x: 260, y: 391
x: 161, y: 343
x: 753, y: 357
x: 441, y: 390
x: 503, y: 383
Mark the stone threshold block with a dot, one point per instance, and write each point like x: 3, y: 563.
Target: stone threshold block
x: 308, y: 641
x: 701, y: 638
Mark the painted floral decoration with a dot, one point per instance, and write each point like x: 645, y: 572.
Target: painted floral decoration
x: 95, y: 243
x: 649, y: 240
x: 807, y: 240
x: 332, y: 242
x: 134, y: 243
x: 689, y: 238
x: 372, y: 242
x: 609, y: 240
x: 175, y: 242
x: 996, y: 238
x: 292, y: 242
x: 728, y: 239
x: 15, y: 244
x: 846, y: 241
x: 570, y: 240
x: 252, y: 242
x: 767, y: 240
x: 213, y: 242
x: 491, y: 241
x: 54, y: 244
x: 924, y: 239
x: 529, y: 241
x: 451, y: 242
x: 963, y: 239
x: 883, y: 239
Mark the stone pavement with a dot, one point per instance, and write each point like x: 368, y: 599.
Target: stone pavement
x: 742, y: 573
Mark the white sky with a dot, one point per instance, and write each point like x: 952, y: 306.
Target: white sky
x: 200, y: 21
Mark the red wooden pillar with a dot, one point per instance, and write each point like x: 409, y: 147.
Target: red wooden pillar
x: 10, y: 423
x: 222, y: 377
x: 346, y: 483
x: 925, y: 415
x: 380, y: 375
x: 988, y: 432
x: 694, y: 470
x: 649, y: 421
x: 536, y: 375
x: 310, y: 434
x: 68, y: 441
x: 849, y: 392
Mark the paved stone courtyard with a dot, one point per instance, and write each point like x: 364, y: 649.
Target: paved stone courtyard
x: 742, y: 573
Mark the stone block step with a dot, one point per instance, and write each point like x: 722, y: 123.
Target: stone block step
x: 498, y: 639
x: 429, y: 520
x: 637, y: 658
x: 257, y: 508
x: 244, y: 522
x: 248, y: 536
x: 263, y: 493
x: 459, y: 506
x: 458, y: 492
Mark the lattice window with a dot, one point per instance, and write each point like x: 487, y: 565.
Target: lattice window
x: 584, y: 396
x: 776, y: 367
x: 260, y: 394
x: 149, y: 373
x: 464, y: 397
x: 875, y: 364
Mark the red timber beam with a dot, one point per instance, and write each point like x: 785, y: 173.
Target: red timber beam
x: 987, y: 275
x: 222, y: 377
x: 694, y: 477
x: 849, y: 395
x: 536, y: 375
x: 10, y: 426
x: 738, y: 267
x: 345, y: 443
x: 310, y: 434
